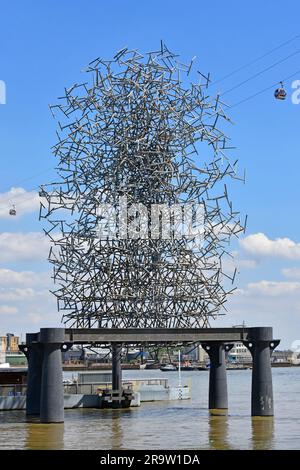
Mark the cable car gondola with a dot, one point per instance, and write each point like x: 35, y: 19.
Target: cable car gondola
x: 280, y: 93
x: 13, y: 211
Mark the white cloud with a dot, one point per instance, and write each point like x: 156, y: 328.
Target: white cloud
x: 18, y: 246
x: 29, y: 314
x: 23, y: 287
x: 272, y: 288
x: 24, y: 201
x: 27, y: 305
x: 7, y: 310
x: 291, y: 273
x: 259, y: 244
x: 18, y: 294
x: 8, y: 277
x: 247, y: 263
x: 35, y: 318
x: 25, y: 301
x: 26, y: 309
x: 229, y: 263
x: 266, y: 303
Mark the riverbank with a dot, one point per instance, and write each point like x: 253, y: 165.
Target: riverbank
x: 108, y: 366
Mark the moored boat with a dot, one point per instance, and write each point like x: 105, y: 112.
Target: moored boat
x: 168, y: 367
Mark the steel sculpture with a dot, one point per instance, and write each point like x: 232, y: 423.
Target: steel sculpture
x: 139, y: 133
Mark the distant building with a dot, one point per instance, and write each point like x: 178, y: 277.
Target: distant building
x: 72, y: 355
x: 203, y: 356
x: 239, y: 353
x: 12, y: 343
x: 286, y: 356
x: 190, y: 353
x: 9, y: 343
x: 3, y: 344
x: 9, y: 350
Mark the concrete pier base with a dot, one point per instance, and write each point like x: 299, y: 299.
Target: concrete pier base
x: 217, y: 396
x: 261, y: 345
x: 52, y: 393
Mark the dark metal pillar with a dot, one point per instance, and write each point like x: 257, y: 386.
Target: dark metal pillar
x: 52, y: 393
x: 116, y: 374
x: 34, y: 354
x: 218, y: 399
x: 261, y: 345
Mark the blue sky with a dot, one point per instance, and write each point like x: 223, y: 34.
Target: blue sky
x: 45, y: 45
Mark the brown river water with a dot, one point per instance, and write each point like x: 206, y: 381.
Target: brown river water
x: 182, y: 424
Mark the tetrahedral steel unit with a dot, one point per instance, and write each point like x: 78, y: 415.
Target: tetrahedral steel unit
x: 139, y: 154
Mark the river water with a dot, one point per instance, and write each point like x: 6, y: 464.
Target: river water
x: 170, y: 425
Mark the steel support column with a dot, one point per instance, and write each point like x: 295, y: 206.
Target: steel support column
x: 261, y: 345
x: 34, y: 355
x: 116, y: 374
x: 52, y: 393
x: 218, y: 399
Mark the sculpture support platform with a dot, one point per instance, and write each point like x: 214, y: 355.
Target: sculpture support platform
x: 45, y: 381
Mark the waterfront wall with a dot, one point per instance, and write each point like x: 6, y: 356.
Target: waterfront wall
x: 13, y: 403
x: 80, y: 400
x: 70, y: 401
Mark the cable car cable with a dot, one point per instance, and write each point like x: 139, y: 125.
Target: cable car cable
x: 260, y: 73
x: 242, y: 67
x: 262, y: 91
x: 228, y: 107
x: 216, y: 81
